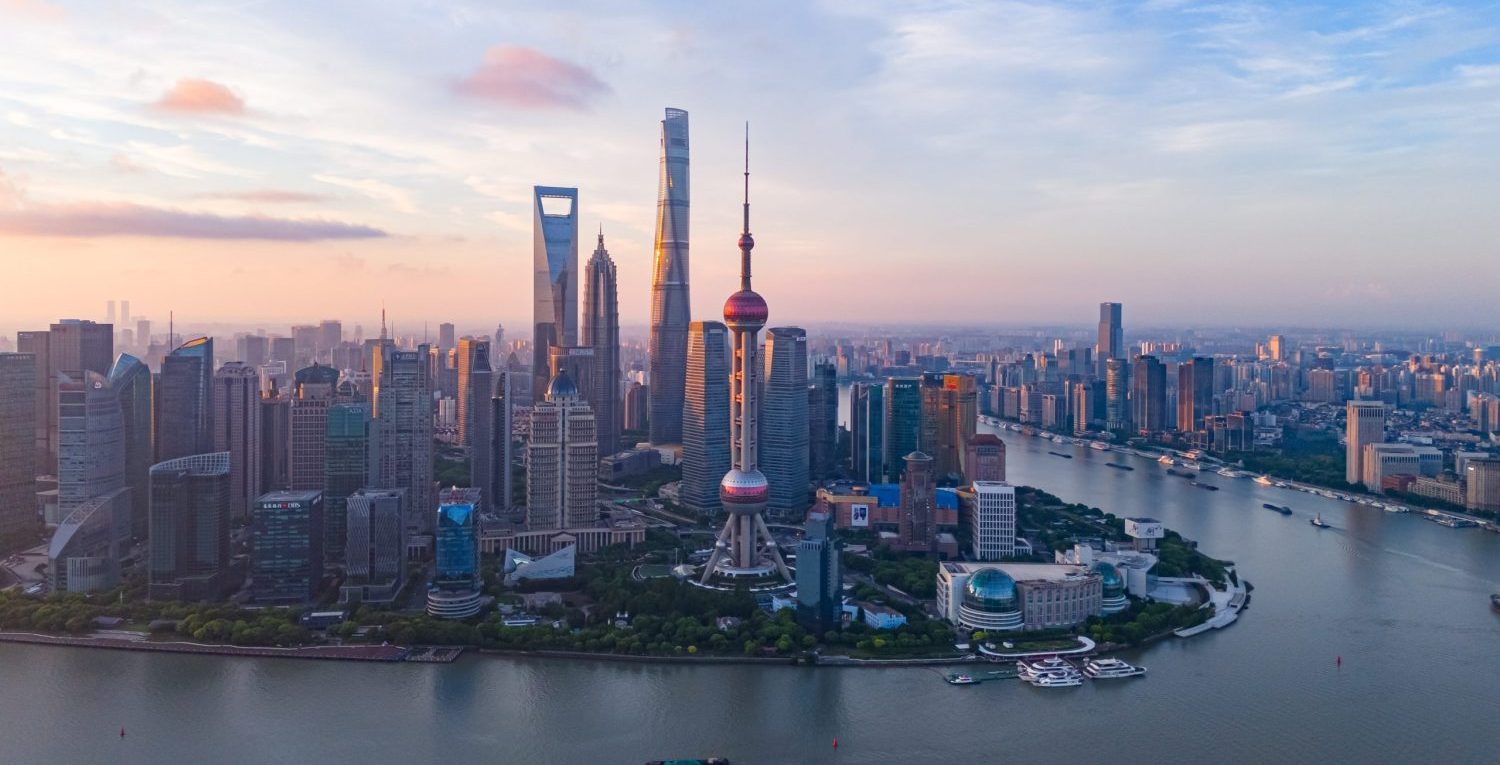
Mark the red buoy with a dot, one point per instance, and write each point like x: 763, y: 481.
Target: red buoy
x: 835, y: 743
x: 122, y: 732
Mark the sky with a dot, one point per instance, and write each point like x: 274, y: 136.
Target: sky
x: 1208, y: 163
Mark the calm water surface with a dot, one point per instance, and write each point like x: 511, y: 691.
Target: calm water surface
x: 1402, y: 600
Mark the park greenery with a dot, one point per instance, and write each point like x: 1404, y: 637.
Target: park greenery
x: 73, y: 613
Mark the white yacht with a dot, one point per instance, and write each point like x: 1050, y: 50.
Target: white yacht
x: 1057, y: 680
x: 1166, y: 459
x: 1263, y: 480
x: 1099, y: 669
x: 1228, y: 472
x: 1100, y: 445
x: 1028, y: 669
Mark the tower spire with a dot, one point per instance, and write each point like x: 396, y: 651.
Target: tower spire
x: 382, y: 322
x: 747, y: 242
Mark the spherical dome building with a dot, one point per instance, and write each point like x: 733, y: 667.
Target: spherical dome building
x: 562, y: 388
x: 744, y: 491
x: 990, y: 601
x: 1114, y: 600
x: 746, y: 309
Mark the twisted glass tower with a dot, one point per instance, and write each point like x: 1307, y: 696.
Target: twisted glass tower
x: 745, y: 549
x: 669, y: 284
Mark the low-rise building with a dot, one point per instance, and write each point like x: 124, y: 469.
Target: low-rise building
x: 881, y: 617
x: 1013, y: 596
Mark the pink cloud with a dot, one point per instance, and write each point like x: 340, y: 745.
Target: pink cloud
x: 88, y: 220
x: 524, y: 77
x: 266, y: 196
x: 190, y: 96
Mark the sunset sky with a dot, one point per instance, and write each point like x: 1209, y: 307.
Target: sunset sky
x: 1203, y: 163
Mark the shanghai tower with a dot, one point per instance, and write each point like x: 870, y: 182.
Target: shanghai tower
x: 745, y: 551
x: 669, y: 284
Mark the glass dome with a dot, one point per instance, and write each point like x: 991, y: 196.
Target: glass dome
x: 1114, y: 584
x: 992, y: 590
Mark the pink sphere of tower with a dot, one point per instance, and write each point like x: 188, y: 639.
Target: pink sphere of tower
x: 746, y: 308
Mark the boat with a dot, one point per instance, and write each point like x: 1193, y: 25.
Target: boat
x: 1263, y: 480
x: 1190, y: 465
x: 1283, y: 509
x: 1228, y: 472
x: 1495, y: 601
x: 1103, y: 669
x: 1179, y: 473
x: 1060, y: 454
x: 1280, y: 485
x: 1166, y: 459
x: 1203, y: 485
x: 1027, y: 669
x: 1057, y: 680
x: 1317, y: 520
x: 1118, y: 466
x: 1100, y: 445
x: 695, y: 761
x: 1059, y: 440
x: 956, y: 679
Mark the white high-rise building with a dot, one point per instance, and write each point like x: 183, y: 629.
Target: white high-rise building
x: 562, y: 460
x: 993, y: 522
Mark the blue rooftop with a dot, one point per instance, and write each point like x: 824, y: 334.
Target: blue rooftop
x: 889, y: 495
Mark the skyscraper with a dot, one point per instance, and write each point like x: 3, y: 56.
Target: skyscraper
x: 184, y: 401
x: 499, y: 490
x: 455, y: 593
x: 957, y: 419
x: 1148, y: 395
x: 91, y: 442
x: 917, y: 524
x: 1116, y: 394
x: 476, y: 383
x: 601, y: 331
x: 1364, y: 425
x: 984, y: 458
x: 403, y: 418
x: 745, y: 547
x: 189, y: 528
x: 1111, y: 334
x: 822, y: 420
x: 348, y: 453
x: 375, y: 546
x: 562, y: 460
x: 313, y: 392
x: 286, y: 559
x: 555, y: 288
x: 669, y: 283
x: 783, y: 422
x: 903, y: 422
x: 237, y: 431
x: 705, y: 417
x: 18, y: 452
x: 130, y: 381
x: 867, y: 431
x: 44, y: 399
x: 992, y: 520
x: 1195, y: 392
x: 819, y: 578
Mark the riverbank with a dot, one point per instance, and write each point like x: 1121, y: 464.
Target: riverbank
x: 378, y: 653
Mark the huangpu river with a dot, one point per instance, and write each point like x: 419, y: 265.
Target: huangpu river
x: 1402, y: 601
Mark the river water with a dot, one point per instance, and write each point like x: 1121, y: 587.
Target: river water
x: 1403, y: 601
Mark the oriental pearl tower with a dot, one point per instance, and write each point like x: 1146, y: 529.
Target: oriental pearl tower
x: 745, y: 548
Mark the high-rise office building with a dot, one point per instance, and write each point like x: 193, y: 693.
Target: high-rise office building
x: 330, y: 335
x: 404, y: 427
x: 499, y: 491
x: 957, y: 419
x: 903, y: 422
x: 705, y: 417
x: 562, y: 460
x: 44, y: 398
x: 314, y: 389
x: 1195, y: 392
x: 446, y: 341
x: 1364, y: 425
x: 1111, y: 333
x: 984, y: 458
x: 455, y: 593
x: 1482, y: 483
x: 1276, y: 348
x: 184, y: 401
x: 286, y: 558
x: 476, y: 390
x: 275, y: 440
x: 637, y: 406
x: 237, y: 431
x: 189, y: 528
x: 819, y: 578
x: 18, y: 450
x: 917, y: 525
x: 91, y: 442
x: 555, y: 287
x: 601, y: 332
x: 783, y: 422
x: 1116, y: 395
x: 745, y: 547
x: 822, y: 420
x: 349, y: 451
x: 992, y: 520
x: 130, y: 380
x: 90, y: 541
x: 74, y: 348
x: 867, y: 431
x: 670, y: 307
x: 1148, y: 395
x: 375, y: 546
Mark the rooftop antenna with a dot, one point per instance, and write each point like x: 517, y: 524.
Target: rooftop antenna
x: 382, y: 322
x: 746, y: 241
x: 171, y: 330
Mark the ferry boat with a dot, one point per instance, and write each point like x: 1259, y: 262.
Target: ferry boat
x: 1060, y: 454
x: 1263, y: 480
x: 961, y: 680
x: 1283, y: 509
x: 1166, y: 459
x: 1203, y: 485
x: 1028, y: 669
x: 1118, y: 466
x: 1317, y: 520
x: 1102, y: 669
x: 1190, y: 465
x: 1057, y: 680
x: 1100, y: 445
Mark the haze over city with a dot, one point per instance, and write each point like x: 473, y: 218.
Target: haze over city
x: 1001, y: 162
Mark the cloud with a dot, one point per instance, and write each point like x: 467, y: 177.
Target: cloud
x: 33, y: 10
x: 523, y: 77
x: 88, y: 220
x: 396, y: 197
x: 264, y: 196
x: 190, y: 96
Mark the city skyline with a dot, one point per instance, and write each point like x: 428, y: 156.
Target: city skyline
x: 1136, y: 144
